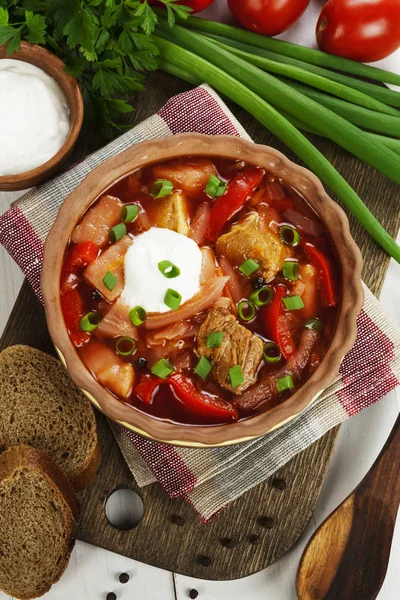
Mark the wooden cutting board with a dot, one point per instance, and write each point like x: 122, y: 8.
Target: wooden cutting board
x: 258, y: 528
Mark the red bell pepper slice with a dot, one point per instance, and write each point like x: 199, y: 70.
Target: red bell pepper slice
x: 325, y: 270
x: 73, y: 310
x: 284, y: 204
x: 146, y: 387
x: 78, y: 257
x: 233, y: 199
x: 208, y: 408
x: 204, y: 406
x: 276, y: 323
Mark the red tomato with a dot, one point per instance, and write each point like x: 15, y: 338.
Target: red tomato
x: 360, y: 29
x: 195, y: 5
x: 268, y: 17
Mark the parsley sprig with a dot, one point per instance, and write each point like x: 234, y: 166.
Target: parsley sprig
x: 106, y: 44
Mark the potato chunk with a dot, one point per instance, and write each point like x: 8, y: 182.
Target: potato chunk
x: 109, y: 368
x: 111, y: 260
x: 170, y: 212
x: 97, y: 222
x: 190, y: 176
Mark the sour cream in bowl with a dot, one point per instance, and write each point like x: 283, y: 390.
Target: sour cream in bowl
x: 34, y: 117
x: 41, y: 112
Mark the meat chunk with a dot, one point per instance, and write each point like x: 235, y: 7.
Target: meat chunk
x: 189, y: 176
x: 170, y: 212
x: 248, y: 239
x: 266, y: 390
x: 116, y: 323
x: 239, y: 347
x: 97, y: 222
x: 109, y: 368
x: 111, y: 260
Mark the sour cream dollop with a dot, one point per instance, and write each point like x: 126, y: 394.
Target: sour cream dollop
x: 145, y: 285
x: 34, y: 117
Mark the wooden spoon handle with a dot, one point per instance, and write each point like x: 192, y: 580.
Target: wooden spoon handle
x: 347, y: 557
x: 383, y: 479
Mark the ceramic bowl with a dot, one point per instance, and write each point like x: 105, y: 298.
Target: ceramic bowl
x: 53, y: 66
x: 147, y: 153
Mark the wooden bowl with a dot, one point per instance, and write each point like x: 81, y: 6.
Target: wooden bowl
x: 53, y: 66
x: 144, y: 154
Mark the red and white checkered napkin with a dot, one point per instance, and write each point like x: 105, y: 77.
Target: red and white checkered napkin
x: 211, y: 478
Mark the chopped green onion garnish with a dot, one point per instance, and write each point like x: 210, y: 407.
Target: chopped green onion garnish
x: 125, y: 346
x: 162, y: 368
x: 314, y: 323
x: 168, y: 269
x: 246, y: 310
x: 236, y: 376
x: 110, y: 281
x: 271, y: 353
x: 117, y: 232
x: 172, y: 299
x: 289, y: 235
x: 161, y: 188
x: 262, y: 296
x: 137, y: 316
x: 215, y: 187
x: 291, y: 270
x: 293, y: 302
x: 285, y: 383
x: 214, y: 340
x: 90, y: 322
x: 248, y: 267
x: 129, y: 212
x: 203, y: 367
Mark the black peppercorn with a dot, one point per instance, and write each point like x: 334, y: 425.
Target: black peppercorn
x: 227, y: 542
x: 266, y: 522
x: 96, y: 295
x: 111, y: 596
x: 124, y: 578
x: 279, y: 484
x: 177, y: 520
x: 141, y: 362
x: 193, y: 594
x: 258, y: 283
x: 254, y: 539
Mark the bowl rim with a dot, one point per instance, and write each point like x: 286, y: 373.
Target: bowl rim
x: 42, y: 58
x: 190, y: 144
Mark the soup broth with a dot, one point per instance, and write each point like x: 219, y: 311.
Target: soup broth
x: 200, y: 290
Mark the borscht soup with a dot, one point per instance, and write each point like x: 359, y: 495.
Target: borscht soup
x: 200, y: 290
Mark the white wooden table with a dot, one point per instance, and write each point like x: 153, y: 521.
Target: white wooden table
x: 93, y: 572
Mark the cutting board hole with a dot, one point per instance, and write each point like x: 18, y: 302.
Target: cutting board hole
x: 124, y: 508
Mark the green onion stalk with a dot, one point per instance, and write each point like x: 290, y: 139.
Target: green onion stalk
x: 178, y: 60
x: 275, y: 92
x: 322, y: 83
x: 378, y: 92
x: 354, y: 114
x: 308, y: 55
x: 392, y: 143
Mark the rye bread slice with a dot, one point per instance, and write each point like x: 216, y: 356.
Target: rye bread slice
x: 38, y: 509
x: 41, y: 406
